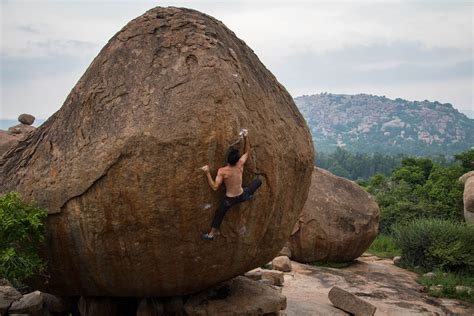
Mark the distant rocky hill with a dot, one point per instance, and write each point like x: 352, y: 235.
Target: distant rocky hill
x: 368, y: 123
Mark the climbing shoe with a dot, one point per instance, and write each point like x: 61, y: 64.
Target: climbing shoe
x: 206, y: 236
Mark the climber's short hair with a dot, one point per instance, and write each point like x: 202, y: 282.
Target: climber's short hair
x: 233, y: 156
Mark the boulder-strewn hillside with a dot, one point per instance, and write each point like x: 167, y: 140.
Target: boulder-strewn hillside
x: 367, y: 123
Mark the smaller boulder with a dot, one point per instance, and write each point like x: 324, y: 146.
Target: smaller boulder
x: 8, y: 295
x: 31, y: 303
x: 338, y: 223
x: 350, y: 303
x: 282, y: 263
x: 429, y: 275
x: 26, y: 119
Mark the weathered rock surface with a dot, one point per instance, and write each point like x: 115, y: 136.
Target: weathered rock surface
x: 338, y: 223
x: 282, y: 263
x: 10, y: 138
x: 393, y: 290
x: 468, y: 196
x: 117, y: 165
x: 7, y: 141
x: 350, y: 303
x: 8, y: 295
x: 22, y: 129
x: 239, y: 296
x: 27, y: 119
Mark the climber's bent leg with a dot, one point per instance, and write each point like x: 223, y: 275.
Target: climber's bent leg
x: 226, y: 204
x: 251, y: 188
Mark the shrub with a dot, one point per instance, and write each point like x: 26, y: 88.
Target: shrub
x: 21, y: 232
x: 384, y: 247
x: 430, y: 244
x: 449, y: 282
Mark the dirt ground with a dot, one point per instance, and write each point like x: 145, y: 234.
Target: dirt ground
x: 391, y: 289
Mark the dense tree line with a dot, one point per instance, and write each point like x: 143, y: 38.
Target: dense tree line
x: 361, y: 166
x: 420, y: 188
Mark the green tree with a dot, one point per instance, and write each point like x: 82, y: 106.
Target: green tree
x: 21, y: 233
x: 418, y: 188
x: 414, y: 171
x: 466, y: 159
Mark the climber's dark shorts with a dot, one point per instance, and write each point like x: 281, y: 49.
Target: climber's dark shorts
x: 228, y: 202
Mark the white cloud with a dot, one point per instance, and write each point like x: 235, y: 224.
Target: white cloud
x: 372, y: 44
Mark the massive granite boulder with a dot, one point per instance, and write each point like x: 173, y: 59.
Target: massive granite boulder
x: 468, y: 196
x: 117, y: 165
x: 338, y: 223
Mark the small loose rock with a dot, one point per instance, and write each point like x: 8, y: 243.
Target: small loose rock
x: 463, y: 289
x: 396, y: 260
x: 282, y: 263
x: 27, y: 119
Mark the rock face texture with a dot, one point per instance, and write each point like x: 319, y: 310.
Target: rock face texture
x: 338, y: 223
x: 17, y: 133
x: 468, y: 196
x: 117, y: 165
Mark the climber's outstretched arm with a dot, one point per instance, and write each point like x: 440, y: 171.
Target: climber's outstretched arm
x: 214, y: 184
x: 245, y: 156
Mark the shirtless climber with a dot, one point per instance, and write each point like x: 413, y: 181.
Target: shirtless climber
x: 231, y: 174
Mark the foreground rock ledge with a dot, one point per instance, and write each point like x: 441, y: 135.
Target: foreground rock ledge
x: 117, y: 165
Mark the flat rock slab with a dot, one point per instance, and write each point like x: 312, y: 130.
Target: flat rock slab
x: 239, y: 296
x: 350, y: 303
x: 392, y: 290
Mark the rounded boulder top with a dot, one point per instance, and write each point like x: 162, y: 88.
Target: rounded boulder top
x: 117, y: 166
x: 27, y: 119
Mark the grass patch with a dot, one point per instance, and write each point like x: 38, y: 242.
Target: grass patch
x: 449, y: 281
x: 384, y: 247
x: 330, y: 264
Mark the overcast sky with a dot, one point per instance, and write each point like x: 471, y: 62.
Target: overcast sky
x: 414, y: 50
